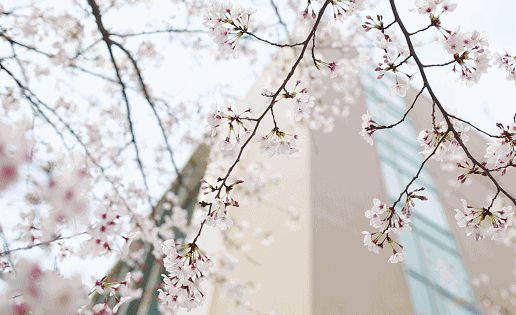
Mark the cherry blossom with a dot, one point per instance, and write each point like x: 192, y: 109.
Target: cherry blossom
x: 508, y: 63
x: 238, y: 127
x: 303, y: 105
x: 439, y: 137
x: 501, y: 152
x: 14, y: 152
x: 397, y: 256
x: 103, y: 232
x: 368, y: 128
x: 374, y: 214
x: 119, y: 291
x: 386, y: 220
x: 228, y: 23
x: 279, y: 143
x: 218, y: 215
x: 409, y: 203
x: 395, y: 56
x: 42, y: 292
x: 431, y: 7
x: 371, y: 244
x: 186, y: 270
x: 67, y: 193
x: 484, y: 222
x: 342, y: 8
x: 469, y: 53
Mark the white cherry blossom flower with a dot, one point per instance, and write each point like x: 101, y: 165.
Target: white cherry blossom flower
x: 508, y: 63
x: 501, y: 152
x: 186, y: 270
x: 396, y: 257
x: 470, y: 54
x: 430, y: 138
x: 371, y: 244
x: 227, y: 23
x: 368, y: 128
x: 14, y: 152
x: 218, y: 216
x: 44, y: 292
x: 374, y: 214
x: 484, y: 222
x: 279, y: 143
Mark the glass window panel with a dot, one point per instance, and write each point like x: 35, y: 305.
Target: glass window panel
x: 446, y: 270
x: 455, y: 307
x: 436, y: 276
x: 413, y: 259
x: 420, y: 295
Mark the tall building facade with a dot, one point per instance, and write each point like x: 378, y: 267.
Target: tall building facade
x: 324, y: 269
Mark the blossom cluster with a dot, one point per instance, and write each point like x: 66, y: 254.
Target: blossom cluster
x: 434, y: 8
x: 15, y: 150
x: 508, y: 63
x: 341, y: 8
x: 104, y: 232
x: 484, y: 222
x: 35, y: 291
x: 219, y: 202
x: 238, y: 127
x: 368, y: 128
x: 119, y: 291
x: 380, y: 218
x: 67, y: 194
x: 501, y: 152
x: 278, y: 142
x: 470, y: 54
x: 303, y: 105
x: 218, y: 215
x: 228, y: 23
x: 386, y: 220
x: 186, y: 270
x: 395, y: 55
x: 441, y: 140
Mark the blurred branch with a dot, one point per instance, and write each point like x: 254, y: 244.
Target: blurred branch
x: 105, y: 37
x: 280, y: 19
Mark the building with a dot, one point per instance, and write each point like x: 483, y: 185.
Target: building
x: 322, y: 268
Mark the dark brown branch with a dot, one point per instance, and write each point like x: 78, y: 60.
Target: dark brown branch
x: 269, y: 42
x: 420, y: 169
x: 26, y: 46
x: 439, y: 64
x: 475, y: 127
x: 421, y: 30
x: 404, y: 115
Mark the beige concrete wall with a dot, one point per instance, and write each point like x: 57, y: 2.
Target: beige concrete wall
x: 323, y: 268
x: 347, y: 279
x: 284, y: 266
